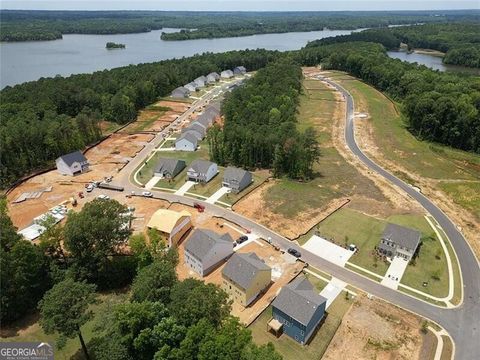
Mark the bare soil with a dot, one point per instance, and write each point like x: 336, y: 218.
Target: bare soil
x: 254, y: 206
x: 105, y: 159
x: 374, y: 329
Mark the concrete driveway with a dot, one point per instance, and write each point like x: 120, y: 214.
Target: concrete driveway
x: 217, y: 195
x: 328, y: 250
x: 395, y: 272
x: 152, y: 182
x: 185, y: 187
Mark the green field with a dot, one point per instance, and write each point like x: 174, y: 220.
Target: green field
x: 35, y: 333
x: 289, y: 348
x: 259, y: 177
x: 428, y: 160
x: 465, y: 194
x: 335, y: 178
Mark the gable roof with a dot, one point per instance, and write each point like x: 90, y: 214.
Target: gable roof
x: 240, y: 68
x: 402, y: 236
x: 298, y: 300
x: 197, y: 127
x: 227, y: 72
x: 205, y: 120
x: 213, y: 74
x: 75, y: 156
x: 243, y: 268
x: 202, y: 243
x: 168, y: 165
x: 201, y: 166
x: 165, y: 220
x: 181, y: 89
x: 234, y: 173
x: 189, y: 137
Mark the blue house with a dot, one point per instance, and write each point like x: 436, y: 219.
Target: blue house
x: 298, y: 310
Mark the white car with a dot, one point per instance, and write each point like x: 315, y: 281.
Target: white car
x: 89, y: 188
x: 147, y: 194
x: 103, y: 197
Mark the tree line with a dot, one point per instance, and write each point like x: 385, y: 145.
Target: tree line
x: 41, y: 120
x: 438, y: 106
x: 259, y: 128
x: 460, y: 41
x: 20, y: 25
x: 161, y: 318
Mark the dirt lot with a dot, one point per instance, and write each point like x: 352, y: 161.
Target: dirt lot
x: 152, y: 119
x: 254, y: 206
x: 105, y: 159
x: 284, y: 269
x: 374, y: 329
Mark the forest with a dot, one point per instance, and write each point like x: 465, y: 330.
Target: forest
x: 44, y: 119
x: 460, y: 41
x: 160, y: 317
x: 260, y: 125
x: 17, y: 25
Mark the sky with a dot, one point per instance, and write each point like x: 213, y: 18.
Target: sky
x: 245, y: 5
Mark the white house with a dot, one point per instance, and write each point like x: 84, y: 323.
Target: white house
x: 206, y: 249
x: 200, y: 81
x: 191, y: 87
x: 180, y: 92
x: 72, y: 164
x: 186, y: 142
x: 201, y: 171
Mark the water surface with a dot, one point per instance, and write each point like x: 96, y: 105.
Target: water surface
x: 26, y: 61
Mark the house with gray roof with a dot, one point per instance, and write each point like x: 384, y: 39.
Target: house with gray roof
x: 72, y: 164
x: 192, y: 86
x: 245, y: 277
x: 168, y: 168
x: 399, y: 241
x: 201, y: 171
x: 212, y: 78
x: 200, y: 81
x: 236, y: 179
x: 180, y: 92
x: 198, y: 127
x: 205, y: 250
x: 186, y: 142
x: 240, y: 70
x: 298, y: 309
x: 226, y: 74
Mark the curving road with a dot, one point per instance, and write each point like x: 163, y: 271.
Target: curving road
x: 462, y: 323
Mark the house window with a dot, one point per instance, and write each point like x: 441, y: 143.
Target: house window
x: 302, y: 332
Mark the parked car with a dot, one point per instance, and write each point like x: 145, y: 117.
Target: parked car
x: 147, y: 194
x: 294, y: 252
x: 242, y: 239
x: 89, y: 188
x: 103, y: 197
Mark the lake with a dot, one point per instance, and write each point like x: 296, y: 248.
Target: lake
x: 431, y: 61
x: 27, y: 61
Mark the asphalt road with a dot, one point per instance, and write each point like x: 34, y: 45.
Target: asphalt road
x: 462, y: 323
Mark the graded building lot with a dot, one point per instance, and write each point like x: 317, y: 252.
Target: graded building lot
x: 292, y: 208
x: 374, y: 329
x: 439, y: 171
x: 105, y: 159
x: 284, y: 269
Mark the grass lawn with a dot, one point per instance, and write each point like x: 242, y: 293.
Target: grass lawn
x: 365, y: 234
x: 211, y: 187
x: 399, y: 145
x: 146, y: 172
x: 318, y: 283
x: 465, y: 194
x: 35, y: 332
x: 352, y: 227
x: 288, y: 347
x: 447, y: 351
x: 334, y: 177
x: 430, y: 262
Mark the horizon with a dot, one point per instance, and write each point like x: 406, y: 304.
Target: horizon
x: 235, y: 6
